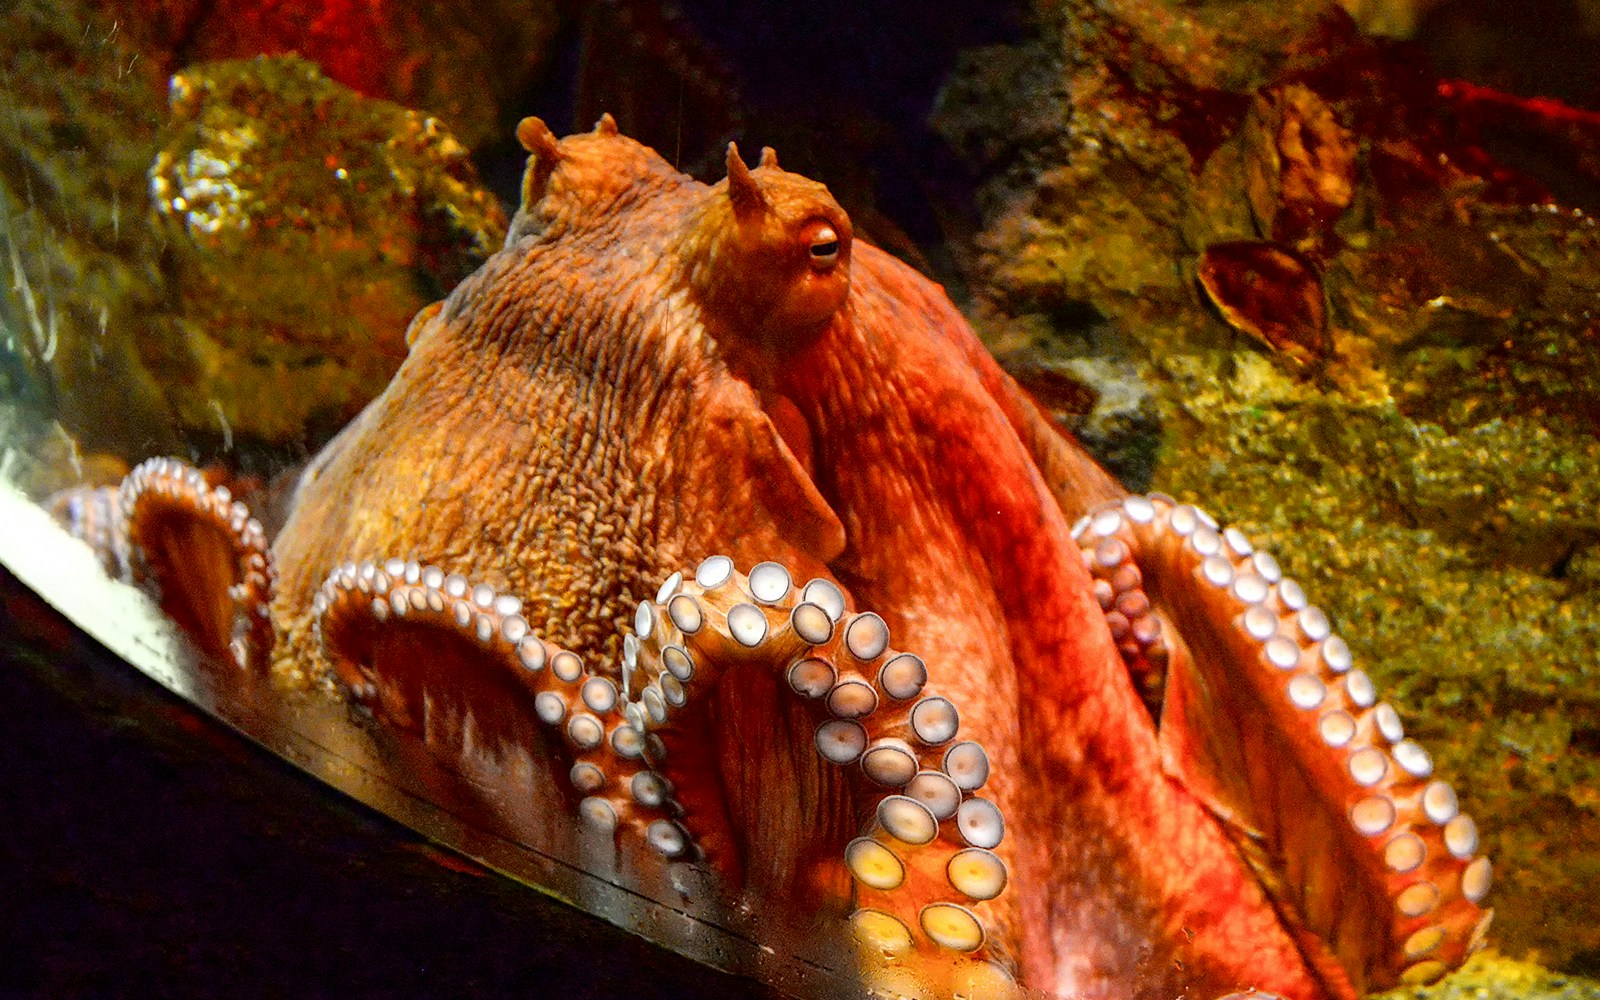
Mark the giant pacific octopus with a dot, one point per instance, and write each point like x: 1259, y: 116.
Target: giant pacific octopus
x: 1019, y: 726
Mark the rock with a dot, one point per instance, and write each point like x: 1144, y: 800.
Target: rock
x: 137, y: 326
x: 1401, y: 406
x: 76, y: 137
x: 466, y: 64
x: 1489, y: 974
x: 306, y: 226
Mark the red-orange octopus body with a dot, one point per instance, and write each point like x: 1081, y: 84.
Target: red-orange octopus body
x: 1018, y: 725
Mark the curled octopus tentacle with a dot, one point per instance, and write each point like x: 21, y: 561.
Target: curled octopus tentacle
x: 197, y: 548
x: 93, y: 515
x: 386, y: 626
x: 1263, y: 713
x: 929, y: 864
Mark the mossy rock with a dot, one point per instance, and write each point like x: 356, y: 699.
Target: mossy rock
x: 1425, y: 465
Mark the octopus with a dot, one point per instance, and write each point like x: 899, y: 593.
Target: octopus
x: 733, y: 516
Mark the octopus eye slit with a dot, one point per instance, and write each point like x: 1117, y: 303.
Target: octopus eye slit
x: 824, y: 248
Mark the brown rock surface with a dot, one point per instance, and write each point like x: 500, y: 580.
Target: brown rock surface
x: 137, y: 326
x: 1430, y: 476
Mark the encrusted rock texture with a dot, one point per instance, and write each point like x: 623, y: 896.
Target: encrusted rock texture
x: 1489, y: 975
x: 465, y: 63
x: 305, y: 227
x: 1288, y: 284
x: 225, y: 258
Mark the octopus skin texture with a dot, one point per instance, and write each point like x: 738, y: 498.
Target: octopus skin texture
x: 1019, y: 727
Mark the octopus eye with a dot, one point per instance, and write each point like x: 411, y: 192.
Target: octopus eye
x: 824, y: 247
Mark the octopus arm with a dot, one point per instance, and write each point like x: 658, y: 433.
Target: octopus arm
x: 1077, y: 482
x: 929, y: 865
x: 198, y: 550
x: 1263, y: 715
x: 1074, y: 478
x: 456, y: 661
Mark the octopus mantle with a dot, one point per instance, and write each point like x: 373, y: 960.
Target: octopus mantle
x: 1018, y: 727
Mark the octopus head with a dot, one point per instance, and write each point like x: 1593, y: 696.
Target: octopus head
x: 769, y: 256
x: 585, y: 181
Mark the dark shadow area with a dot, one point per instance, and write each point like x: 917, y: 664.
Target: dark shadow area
x: 149, y: 851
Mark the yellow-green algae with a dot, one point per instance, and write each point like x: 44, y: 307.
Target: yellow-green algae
x: 1448, y: 560
x: 1491, y: 976
x: 1434, y: 481
x: 139, y: 331
x: 78, y: 117
x: 306, y: 226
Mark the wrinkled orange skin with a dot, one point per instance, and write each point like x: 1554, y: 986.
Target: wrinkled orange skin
x: 645, y: 377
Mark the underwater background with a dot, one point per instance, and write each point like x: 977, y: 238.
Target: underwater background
x: 1335, y: 273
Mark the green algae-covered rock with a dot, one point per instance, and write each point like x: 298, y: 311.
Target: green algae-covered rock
x: 306, y: 226
x: 1355, y: 336
x: 466, y: 62
x: 78, y: 118
x: 1488, y: 975
x: 261, y: 316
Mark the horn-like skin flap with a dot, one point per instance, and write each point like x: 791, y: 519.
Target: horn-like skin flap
x: 743, y: 192
x: 537, y: 138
